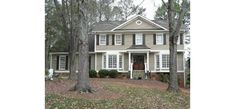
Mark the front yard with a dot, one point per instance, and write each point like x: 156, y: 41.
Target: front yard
x: 115, y: 94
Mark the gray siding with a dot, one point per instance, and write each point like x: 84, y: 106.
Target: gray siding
x: 151, y: 61
x: 180, y: 64
x: 99, y: 61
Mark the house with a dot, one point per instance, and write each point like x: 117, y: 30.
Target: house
x: 136, y: 47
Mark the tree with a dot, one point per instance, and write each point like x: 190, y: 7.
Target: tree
x: 174, y: 29
x: 128, y: 8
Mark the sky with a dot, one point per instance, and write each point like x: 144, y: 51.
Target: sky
x: 150, y: 5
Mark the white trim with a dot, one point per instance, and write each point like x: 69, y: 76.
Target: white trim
x: 100, y: 39
x: 121, y: 31
x: 63, y: 71
x: 115, y: 39
x: 140, y: 22
x: 128, y: 21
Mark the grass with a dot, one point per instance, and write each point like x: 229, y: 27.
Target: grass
x: 133, y: 98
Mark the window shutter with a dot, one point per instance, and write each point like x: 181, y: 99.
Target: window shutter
x: 133, y: 39
x: 164, y: 39
x: 143, y: 39
x: 107, y: 39
x: 57, y: 63
x: 113, y: 39
x: 123, y: 40
x: 154, y: 39
x: 181, y: 38
x: 97, y: 39
x: 66, y: 64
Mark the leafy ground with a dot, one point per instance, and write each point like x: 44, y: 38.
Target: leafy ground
x: 115, y: 94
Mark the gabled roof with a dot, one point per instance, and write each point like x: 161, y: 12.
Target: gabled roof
x: 138, y: 17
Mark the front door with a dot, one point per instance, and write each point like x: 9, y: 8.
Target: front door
x: 138, y: 62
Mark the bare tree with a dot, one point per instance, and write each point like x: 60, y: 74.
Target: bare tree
x: 174, y: 29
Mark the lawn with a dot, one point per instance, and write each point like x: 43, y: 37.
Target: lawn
x: 115, y: 94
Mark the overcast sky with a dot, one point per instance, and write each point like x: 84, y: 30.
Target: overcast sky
x: 150, y: 5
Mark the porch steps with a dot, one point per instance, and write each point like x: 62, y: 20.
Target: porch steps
x: 138, y: 74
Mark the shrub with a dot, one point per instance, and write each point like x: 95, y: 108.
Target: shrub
x: 113, y: 73
x: 164, y: 77
x: 92, y: 74
x: 103, y: 73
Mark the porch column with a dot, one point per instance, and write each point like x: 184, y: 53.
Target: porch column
x: 129, y: 55
x: 147, y: 61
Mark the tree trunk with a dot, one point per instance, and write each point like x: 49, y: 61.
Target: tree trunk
x: 46, y: 54
x: 173, y: 82
x: 83, y: 64
x: 73, y: 58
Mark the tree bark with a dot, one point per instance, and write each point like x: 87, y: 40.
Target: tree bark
x: 83, y: 64
x: 46, y: 54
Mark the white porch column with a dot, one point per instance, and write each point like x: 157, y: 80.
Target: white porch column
x: 148, y: 61
x: 129, y: 55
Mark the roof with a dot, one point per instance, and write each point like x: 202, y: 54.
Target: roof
x: 110, y: 25
x: 138, y: 47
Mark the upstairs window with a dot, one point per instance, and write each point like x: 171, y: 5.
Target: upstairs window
x: 139, y: 39
x: 102, y: 39
x: 118, y: 39
x: 159, y: 37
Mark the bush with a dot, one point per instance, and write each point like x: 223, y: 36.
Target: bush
x: 113, y: 73
x: 164, y: 77
x: 92, y: 74
x: 103, y: 73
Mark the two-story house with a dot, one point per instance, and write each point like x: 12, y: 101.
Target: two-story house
x: 136, y: 47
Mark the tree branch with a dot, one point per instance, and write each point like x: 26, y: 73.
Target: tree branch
x: 180, y: 19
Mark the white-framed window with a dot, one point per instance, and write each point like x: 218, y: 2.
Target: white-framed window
x: 62, y: 62
x: 118, y: 39
x: 159, y: 38
x: 165, y: 61
x: 102, y: 39
x: 139, y: 39
x: 112, y: 61
x: 157, y: 61
x: 104, y: 61
x: 120, y: 61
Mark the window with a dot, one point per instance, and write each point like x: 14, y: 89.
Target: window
x: 112, y: 59
x: 159, y: 37
x: 157, y: 61
x: 62, y: 62
x: 165, y: 60
x: 118, y: 39
x: 102, y: 39
x: 138, y: 22
x: 104, y: 60
x: 120, y: 61
x: 139, y: 39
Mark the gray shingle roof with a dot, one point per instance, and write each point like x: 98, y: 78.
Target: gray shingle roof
x: 108, y: 26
